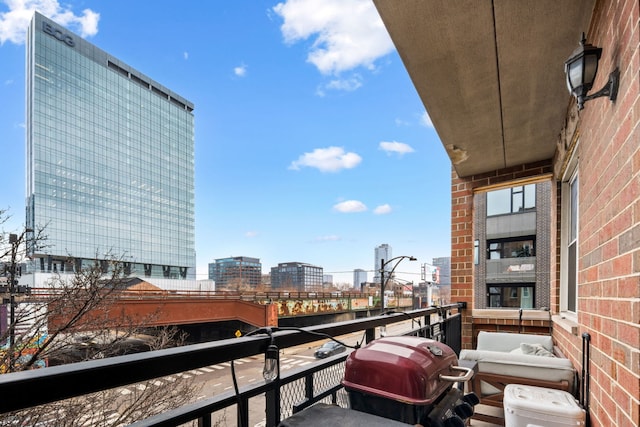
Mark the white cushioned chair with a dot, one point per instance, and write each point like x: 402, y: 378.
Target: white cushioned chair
x: 510, y: 358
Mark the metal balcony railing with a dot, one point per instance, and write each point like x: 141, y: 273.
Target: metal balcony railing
x: 511, y: 270
x: 287, y: 394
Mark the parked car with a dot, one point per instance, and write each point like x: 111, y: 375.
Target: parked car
x: 329, y: 348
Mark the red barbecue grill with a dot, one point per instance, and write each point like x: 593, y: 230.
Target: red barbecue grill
x: 409, y: 379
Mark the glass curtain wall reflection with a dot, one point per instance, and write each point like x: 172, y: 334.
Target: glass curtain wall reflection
x: 110, y: 160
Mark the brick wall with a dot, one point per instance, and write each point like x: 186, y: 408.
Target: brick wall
x: 608, y: 147
x: 462, y: 250
x: 608, y: 136
x: 462, y: 268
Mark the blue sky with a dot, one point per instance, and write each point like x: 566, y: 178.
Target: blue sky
x: 312, y: 144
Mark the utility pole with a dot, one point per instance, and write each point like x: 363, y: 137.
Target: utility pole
x: 382, y: 266
x: 14, y: 241
x: 382, y: 285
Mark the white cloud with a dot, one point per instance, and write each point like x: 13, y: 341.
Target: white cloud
x: 346, y: 33
x: 396, y: 147
x: 331, y: 238
x: 350, y: 206
x: 382, y: 209
x: 185, y: 55
x: 14, y: 23
x: 331, y: 159
x: 240, y: 70
x: 425, y: 120
x: 251, y: 234
x: 346, y: 85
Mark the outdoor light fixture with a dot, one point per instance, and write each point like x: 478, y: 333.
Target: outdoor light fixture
x: 271, y: 360
x: 581, y: 69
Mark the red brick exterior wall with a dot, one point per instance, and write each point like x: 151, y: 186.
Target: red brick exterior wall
x: 609, y: 224
x: 462, y: 190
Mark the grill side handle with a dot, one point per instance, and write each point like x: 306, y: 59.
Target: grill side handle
x: 468, y: 374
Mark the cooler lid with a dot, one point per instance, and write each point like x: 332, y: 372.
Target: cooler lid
x: 547, y: 401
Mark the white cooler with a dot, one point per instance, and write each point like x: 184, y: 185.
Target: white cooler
x: 528, y: 406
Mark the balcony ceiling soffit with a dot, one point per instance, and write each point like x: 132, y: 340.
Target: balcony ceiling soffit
x: 490, y: 73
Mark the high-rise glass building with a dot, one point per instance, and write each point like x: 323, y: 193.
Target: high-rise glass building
x: 238, y: 272
x: 110, y: 160
x: 382, y: 252
x: 359, y: 279
x: 296, y: 276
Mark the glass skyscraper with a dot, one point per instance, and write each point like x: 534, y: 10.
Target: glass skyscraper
x: 238, y: 272
x: 382, y: 252
x: 296, y: 276
x: 110, y: 160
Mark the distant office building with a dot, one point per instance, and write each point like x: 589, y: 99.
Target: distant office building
x: 238, y: 272
x: 110, y: 160
x: 296, y: 276
x: 266, y: 280
x: 327, y: 280
x: 382, y: 252
x: 359, y: 279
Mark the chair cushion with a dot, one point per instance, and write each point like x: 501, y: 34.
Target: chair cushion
x: 506, y: 341
x: 525, y: 356
x: 535, y: 350
x: 521, y: 365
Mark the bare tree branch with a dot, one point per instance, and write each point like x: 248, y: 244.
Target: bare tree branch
x: 76, y: 319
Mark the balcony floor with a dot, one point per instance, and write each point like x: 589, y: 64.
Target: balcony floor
x: 484, y: 409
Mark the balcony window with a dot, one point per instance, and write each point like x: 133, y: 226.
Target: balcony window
x: 511, y: 200
x: 510, y: 296
x: 511, y: 248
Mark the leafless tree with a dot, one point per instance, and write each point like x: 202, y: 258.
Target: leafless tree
x: 76, y: 319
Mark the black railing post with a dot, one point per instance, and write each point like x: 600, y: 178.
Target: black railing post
x: 585, y: 381
x: 453, y: 332
x: 370, y: 335
x: 204, y: 421
x: 272, y: 402
x: 243, y: 412
x: 308, y: 386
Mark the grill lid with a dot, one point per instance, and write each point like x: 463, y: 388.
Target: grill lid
x: 405, y: 369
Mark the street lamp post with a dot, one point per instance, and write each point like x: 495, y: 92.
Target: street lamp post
x: 383, y: 283
x: 14, y: 241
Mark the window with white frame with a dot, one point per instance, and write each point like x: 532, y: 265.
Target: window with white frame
x: 569, y: 250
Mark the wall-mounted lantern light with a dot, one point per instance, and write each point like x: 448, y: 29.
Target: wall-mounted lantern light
x: 581, y: 69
